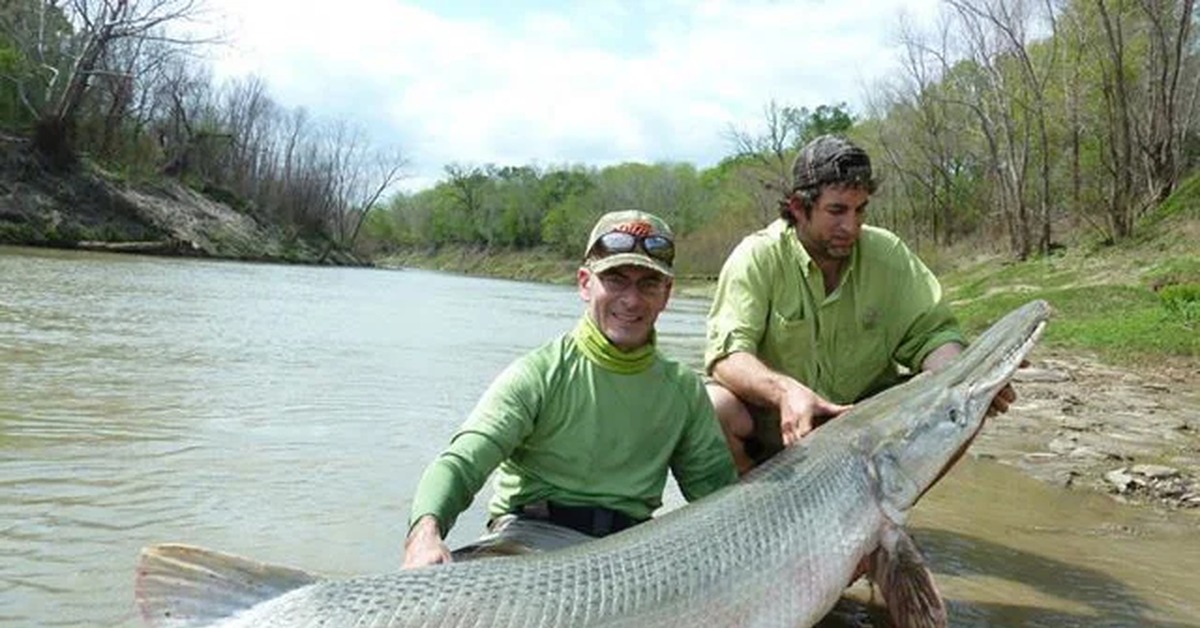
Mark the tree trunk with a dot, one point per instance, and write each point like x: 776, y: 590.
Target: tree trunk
x: 52, y: 141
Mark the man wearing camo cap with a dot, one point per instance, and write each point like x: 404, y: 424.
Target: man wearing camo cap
x: 818, y: 310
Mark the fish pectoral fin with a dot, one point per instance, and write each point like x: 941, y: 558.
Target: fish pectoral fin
x: 183, y: 585
x: 907, y: 587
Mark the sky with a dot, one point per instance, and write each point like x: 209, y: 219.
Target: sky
x: 529, y: 82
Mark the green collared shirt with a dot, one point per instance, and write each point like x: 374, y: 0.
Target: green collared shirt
x: 886, y: 312
x: 558, y: 426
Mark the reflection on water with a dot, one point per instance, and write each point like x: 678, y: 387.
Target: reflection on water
x: 285, y: 413
x: 1011, y: 551
x: 1006, y: 550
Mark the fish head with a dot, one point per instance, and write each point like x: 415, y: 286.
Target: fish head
x: 928, y: 421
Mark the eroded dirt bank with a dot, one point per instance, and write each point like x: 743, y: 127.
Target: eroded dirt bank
x: 1131, y: 433
x: 86, y: 208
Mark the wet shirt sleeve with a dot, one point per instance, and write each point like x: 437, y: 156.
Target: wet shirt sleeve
x: 503, y: 417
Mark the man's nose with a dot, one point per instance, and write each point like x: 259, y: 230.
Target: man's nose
x: 632, y: 293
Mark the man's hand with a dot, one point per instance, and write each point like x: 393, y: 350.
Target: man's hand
x: 940, y: 357
x: 799, y: 411
x: 1005, y: 397
x: 424, y: 545
x: 1002, y: 400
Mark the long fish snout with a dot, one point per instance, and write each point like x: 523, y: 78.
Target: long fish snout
x: 941, y: 417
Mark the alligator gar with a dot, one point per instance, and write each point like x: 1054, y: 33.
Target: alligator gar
x: 776, y: 549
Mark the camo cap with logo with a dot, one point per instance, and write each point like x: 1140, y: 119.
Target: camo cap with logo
x: 831, y: 159
x: 639, y: 224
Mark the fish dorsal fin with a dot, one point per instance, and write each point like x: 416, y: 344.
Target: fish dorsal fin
x: 183, y: 585
x: 906, y: 584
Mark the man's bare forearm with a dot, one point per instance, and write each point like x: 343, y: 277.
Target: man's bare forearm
x: 940, y: 357
x: 751, y: 380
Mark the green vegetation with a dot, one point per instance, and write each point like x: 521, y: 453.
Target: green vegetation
x: 1182, y: 303
x: 66, y: 235
x: 542, y: 264
x: 1011, y: 145
x: 1058, y: 166
x: 1128, y: 304
x: 1136, y: 303
x: 1121, y: 324
x: 111, y: 90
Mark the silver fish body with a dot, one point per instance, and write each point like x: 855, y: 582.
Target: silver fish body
x: 776, y: 549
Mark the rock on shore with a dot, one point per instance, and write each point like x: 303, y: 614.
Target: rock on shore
x: 1085, y: 425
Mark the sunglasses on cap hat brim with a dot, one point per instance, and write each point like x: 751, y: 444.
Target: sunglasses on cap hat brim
x: 659, y: 247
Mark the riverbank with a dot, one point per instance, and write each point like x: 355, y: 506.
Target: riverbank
x: 1081, y: 424
x: 1112, y: 406
x: 1114, y: 411
x: 87, y: 208
x: 541, y: 265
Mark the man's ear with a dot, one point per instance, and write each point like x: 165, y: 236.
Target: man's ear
x: 799, y: 208
x: 581, y: 278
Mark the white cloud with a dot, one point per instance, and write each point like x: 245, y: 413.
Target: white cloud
x: 597, y: 83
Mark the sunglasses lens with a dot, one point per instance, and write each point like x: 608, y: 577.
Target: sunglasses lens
x: 618, y: 242
x: 659, y: 248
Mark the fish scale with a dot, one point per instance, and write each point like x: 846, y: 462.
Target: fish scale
x: 608, y: 580
x: 776, y: 549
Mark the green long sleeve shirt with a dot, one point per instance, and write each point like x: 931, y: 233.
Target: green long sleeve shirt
x: 886, y: 312
x: 557, y: 426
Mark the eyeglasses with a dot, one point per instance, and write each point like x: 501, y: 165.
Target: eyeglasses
x: 650, y: 287
x: 659, y: 247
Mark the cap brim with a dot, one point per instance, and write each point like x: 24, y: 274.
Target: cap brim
x: 630, y: 259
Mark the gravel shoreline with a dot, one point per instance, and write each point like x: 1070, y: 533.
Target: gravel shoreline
x: 1082, y: 424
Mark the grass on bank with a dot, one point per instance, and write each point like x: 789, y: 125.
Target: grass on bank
x: 540, y: 265
x: 1134, y: 303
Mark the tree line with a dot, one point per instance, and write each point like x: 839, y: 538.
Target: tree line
x: 1010, y: 121
x: 1026, y: 118
x: 113, y: 80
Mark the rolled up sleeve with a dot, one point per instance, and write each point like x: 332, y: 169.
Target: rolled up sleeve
x: 738, y: 316
x: 932, y: 323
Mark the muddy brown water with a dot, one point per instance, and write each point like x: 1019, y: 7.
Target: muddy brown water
x: 285, y: 413
x: 1008, y: 550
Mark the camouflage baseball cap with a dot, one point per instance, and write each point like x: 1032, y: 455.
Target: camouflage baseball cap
x: 831, y: 159
x: 648, y: 242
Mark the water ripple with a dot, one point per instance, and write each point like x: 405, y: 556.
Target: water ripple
x: 286, y: 413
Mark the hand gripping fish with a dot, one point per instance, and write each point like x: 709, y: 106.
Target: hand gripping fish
x: 776, y: 549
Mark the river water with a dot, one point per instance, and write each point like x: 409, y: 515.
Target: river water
x: 285, y: 413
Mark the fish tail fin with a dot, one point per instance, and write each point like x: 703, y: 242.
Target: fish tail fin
x: 183, y: 585
x: 906, y: 584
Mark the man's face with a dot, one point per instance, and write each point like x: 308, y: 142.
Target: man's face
x: 830, y: 230
x: 625, y: 302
